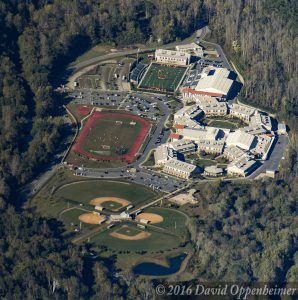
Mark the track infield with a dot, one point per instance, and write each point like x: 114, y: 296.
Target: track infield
x: 111, y: 136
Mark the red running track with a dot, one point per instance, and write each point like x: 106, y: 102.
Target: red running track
x: 83, y: 110
x: 128, y: 157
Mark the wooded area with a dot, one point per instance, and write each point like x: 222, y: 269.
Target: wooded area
x: 250, y: 232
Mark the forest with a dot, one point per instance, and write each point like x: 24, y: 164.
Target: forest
x: 251, y: 230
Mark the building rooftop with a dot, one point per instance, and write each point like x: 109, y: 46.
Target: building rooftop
x: 215, y: 80
x: 241, y: 139
x: 180, y: 165
x: 170, y: 53
x: 242, y: 109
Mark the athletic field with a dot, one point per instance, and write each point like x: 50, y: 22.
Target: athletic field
x: 162, y: 78
x: 111, y: 136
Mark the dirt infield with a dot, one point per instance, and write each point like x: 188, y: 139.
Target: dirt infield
x: 102, y: 200
x: 91, y: 218
x: 129, y: 156
x: 139, y: 236
x: 152, y: 218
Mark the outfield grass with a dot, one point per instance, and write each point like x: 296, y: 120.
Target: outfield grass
x: 157, y: 241
x: 173, y: 220
x: 83, y: 192
x: 72, y: 217
x: 162, y: 78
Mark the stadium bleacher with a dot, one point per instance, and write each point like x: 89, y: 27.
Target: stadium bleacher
x: 137, y: 72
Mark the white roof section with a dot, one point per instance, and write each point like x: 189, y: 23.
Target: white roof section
x: 180, y: 166
x: 209, y: 133
x: 191, y: 46
x: 215, y: 80
x: 241, y: 139
x: 242, y: 109
x: 182, y: 145
x: 172, y: 54
x: 213, y: 170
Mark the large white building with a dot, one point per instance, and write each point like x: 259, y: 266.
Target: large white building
x: 179, y: 168
x: 191, y: 48
x: 263, y: 146
x: 210, y: 146
x: 242, y: 167
x: 163, y: 153
x: 187, y: 111
x: 215, y: 82
x: 259, y: 119
x: 240, y: 139
x: 233, y: 152
x: 242, y: 112
x: 172, y: 57
x: 183, y: 146
x: 211, y: 106
x: 194, y: 134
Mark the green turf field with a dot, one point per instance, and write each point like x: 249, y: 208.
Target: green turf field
x: 157, y: 241
x: 83, y: 192
x: 162, y: 78
x: 111, y: 136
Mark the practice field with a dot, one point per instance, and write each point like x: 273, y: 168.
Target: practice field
x: 162, y: 78
x: 154, y: 240
x: 111, y: 136
x: 97, y: 192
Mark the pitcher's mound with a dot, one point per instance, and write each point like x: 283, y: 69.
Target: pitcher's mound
x: 151, y: 218
x: 111, y: 203
x: 91, y: 218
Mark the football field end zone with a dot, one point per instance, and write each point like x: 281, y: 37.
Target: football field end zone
x: 128, y: 157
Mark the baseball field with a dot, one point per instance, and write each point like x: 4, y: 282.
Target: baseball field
x: 128, y: 237
x: 111, y: 136
x: 163, y: 78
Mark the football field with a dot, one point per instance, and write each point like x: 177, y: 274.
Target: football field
x: 163, y: 78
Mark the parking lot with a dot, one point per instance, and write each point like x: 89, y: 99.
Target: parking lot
x: 152, y: 179
x: 98, y: 98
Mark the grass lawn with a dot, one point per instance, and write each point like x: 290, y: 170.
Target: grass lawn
x: 157, y: 241
x: 150, y: 161
x: 94, y: 52
x: 223, y: 124
x: 162, y: 78
x: 205, y: 162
